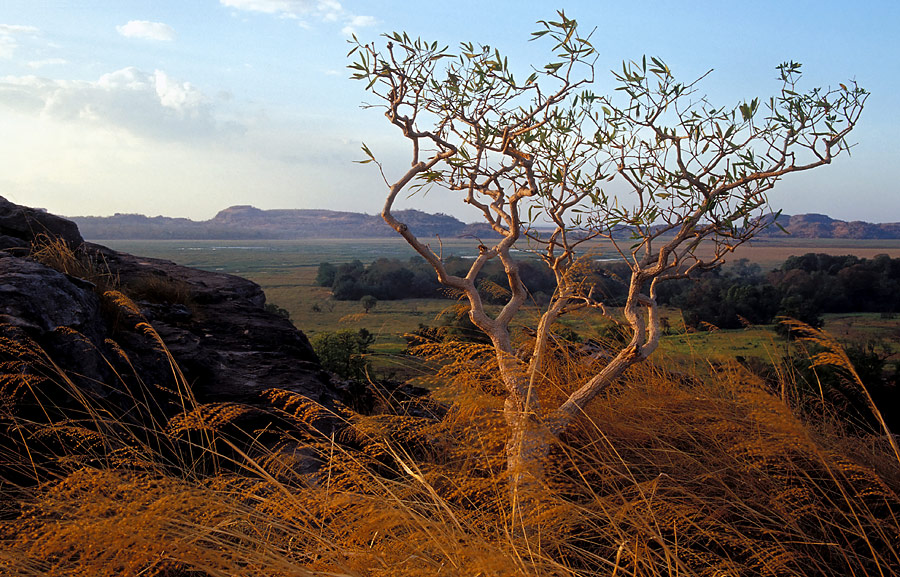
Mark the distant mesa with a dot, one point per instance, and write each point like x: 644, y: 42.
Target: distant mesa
x: 249, y: 222
x: 822, y: 226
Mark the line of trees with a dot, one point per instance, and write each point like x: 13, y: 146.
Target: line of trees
x: 395, y: 279
x: 384, y: 279
x: 804, y: 287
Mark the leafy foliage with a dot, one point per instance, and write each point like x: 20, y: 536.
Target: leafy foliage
x: 280, y: 311
x: 384, y: 279
x: 344, y: 352
x: 368, y: 302
x: 394, y: 279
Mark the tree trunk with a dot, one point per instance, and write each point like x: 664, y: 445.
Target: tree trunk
x: 528, y: 439
x: 527, y: 448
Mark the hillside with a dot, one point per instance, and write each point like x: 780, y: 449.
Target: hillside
x: 822, y: 226
x: 248, y: 222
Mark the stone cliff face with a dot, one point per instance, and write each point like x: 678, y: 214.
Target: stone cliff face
x: 214, y: 326
x: 217, y: 329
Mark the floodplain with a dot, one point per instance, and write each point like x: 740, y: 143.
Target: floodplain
x: 286, y: 270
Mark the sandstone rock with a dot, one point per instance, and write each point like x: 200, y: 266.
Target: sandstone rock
x: 214, y: 325
x: 19, y: 225
x: 217, y: 328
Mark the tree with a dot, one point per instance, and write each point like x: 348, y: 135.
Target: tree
x: 325, y: 274
x: 368, y: 302
x: 280, y: 311
x: 541, y: 150
x: 344, y: 351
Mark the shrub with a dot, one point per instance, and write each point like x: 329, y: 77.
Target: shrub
x: 344, y: 352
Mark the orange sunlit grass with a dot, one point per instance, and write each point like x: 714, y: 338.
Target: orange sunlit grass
x: 667, y: 474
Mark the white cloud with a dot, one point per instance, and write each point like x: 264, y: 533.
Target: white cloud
x: 8, y: 42
x: 81, y: 168
x: 147, y: 30
x: 36, y: 64
x: 149, y: 105
x: 330, y: 10
x: 323, y: 11
x: 266, y: 6
x: 7, y: 47
x: 177, y: 96
x: 358, y: 22
x: 17, y: 29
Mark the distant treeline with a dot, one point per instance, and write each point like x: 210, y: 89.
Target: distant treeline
x: 804, y: 287
x: 394, y: 279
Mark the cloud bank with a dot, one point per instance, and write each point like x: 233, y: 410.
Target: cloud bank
x: 151, y: 105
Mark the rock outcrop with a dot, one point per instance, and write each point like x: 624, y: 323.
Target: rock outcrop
x: 217, y: 329
x: 19, y: 225
x: 822, y: 226
x: 214, y: 326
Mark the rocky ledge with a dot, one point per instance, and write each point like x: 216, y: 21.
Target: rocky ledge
x: 116, y: 322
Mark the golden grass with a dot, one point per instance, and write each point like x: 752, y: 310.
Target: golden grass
x: 667, y: 474
x: 57, y: 254
x: 160, y: 289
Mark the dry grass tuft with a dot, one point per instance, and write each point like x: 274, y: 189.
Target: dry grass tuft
x: 668, y: 474
x: 833, y: 354
x: 157, y: 288
x: 208, y: 417
x: 77, y: 262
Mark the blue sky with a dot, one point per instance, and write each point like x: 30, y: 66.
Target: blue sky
x: 186, y: 107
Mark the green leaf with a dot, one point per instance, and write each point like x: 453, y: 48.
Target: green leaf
x: 371, y: 157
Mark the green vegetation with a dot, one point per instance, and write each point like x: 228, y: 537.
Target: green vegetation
x: 280, y: 311
x: 803, y: 287
x: 344, y: 352
x: 390, y: 279
x: 368, y: 302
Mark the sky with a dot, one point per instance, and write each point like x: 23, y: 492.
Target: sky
x: 185, y: 107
